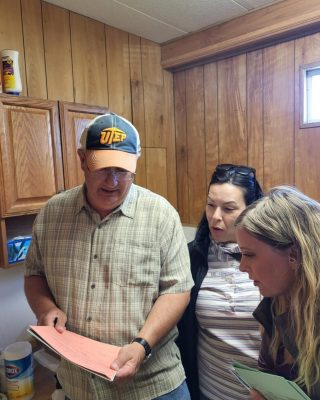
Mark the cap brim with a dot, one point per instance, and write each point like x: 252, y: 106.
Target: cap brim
x: 97, y: 159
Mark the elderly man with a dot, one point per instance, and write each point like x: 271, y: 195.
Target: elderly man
x: 109, y: 260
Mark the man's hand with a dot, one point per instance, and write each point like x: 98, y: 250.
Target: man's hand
x: 128, y: 362
x: 43, y: 303
x: 54, y: 317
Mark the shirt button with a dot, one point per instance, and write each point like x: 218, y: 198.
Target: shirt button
x: 93, y: 286
x: 95, y: 256
x: 92, y: 376
x: 89, y: 319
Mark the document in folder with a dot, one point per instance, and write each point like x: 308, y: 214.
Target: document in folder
x: 272, y: 387
x: 88, y: 354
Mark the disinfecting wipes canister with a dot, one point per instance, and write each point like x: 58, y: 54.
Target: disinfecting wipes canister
x: 10, y: 71
x: 19, y: 371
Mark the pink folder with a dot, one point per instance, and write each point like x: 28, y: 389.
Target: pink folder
x: 88, y: 354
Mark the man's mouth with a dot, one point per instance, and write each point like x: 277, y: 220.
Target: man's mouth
x: 108, y: 190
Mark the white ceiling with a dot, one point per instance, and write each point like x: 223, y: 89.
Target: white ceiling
x: 162, y: 20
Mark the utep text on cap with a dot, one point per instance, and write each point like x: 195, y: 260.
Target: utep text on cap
x: 111, y: 141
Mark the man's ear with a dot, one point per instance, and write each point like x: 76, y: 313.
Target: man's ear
x: 82, y: 158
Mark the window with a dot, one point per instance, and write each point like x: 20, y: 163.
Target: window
x: 310, y: 95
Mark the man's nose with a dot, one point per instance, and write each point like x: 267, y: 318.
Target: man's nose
x: 111, y: 177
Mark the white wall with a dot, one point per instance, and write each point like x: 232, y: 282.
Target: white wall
x: 190, y: 232
x: 15, y: 313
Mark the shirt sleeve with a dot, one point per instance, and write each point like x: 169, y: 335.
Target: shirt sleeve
x: 175, y: 276
x: 33, y: 261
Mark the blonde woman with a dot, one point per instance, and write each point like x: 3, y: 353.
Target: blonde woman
x: 279, y: 238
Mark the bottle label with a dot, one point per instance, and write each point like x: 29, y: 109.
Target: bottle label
x: 9, y: 80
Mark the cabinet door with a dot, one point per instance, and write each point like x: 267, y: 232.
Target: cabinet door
x: 74, y: 118
x: 31, y: 160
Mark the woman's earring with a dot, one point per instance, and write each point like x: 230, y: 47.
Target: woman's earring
x: 291, y: 260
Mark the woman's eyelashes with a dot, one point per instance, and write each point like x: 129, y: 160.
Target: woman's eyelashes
x: 225, y: 209
x: 245, y: 254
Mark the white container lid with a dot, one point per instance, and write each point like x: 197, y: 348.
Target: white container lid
x: 17, y: 350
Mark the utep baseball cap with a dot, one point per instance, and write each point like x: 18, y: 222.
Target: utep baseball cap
x: 111, y: 141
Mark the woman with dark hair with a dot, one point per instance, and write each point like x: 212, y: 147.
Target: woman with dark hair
x: 218, y: 327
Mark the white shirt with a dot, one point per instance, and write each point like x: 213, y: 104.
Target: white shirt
x: 227, y: 329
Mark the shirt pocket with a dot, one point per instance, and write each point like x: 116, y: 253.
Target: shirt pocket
x: 136, y: 264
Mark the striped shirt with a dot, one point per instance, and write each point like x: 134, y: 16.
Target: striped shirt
x: 227, y: 329
x: 106, y: 275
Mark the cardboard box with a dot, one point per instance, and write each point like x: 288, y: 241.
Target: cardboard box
x: 18, y: 248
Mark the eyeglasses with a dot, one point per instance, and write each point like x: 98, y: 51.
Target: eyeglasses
x: 223, y: 170
x: 120, y: 175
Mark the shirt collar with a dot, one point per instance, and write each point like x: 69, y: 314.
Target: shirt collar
x: 81, y: 202
x: 228, y: 248
x: 127, y: 207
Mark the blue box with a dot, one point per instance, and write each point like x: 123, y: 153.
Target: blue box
x: 18, y: 248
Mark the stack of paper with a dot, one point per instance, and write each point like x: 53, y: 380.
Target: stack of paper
x: 272, y: 387
x: 88, y: 354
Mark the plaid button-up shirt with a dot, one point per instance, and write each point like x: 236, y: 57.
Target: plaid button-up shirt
x: 106, y: 275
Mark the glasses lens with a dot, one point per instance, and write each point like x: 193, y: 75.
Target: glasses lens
x: 224, y: 167
x: 242, y: 170
x: 117, y: 174
x: 122, y: 175
x: 228, y: 170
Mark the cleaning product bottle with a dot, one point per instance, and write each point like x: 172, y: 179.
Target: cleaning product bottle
x: 19, y: 371
x: 10, y: 72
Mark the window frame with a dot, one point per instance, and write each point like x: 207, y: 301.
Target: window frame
x: 303, y: 94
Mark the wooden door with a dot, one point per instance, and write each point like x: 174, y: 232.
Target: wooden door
x: 74, y: 117
x: 30, y: 154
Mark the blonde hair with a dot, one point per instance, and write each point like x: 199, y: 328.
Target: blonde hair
x: 283, y: 218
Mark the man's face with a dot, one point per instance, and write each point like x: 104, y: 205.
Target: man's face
x: 106, y: 188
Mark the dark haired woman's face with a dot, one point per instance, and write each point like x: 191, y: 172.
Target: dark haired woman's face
x: 224, y: 203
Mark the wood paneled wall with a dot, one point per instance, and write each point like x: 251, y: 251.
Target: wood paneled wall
x: 242, y: 109
x: 245, y: 109
x: 68, y: 57
x: 284, y: 20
